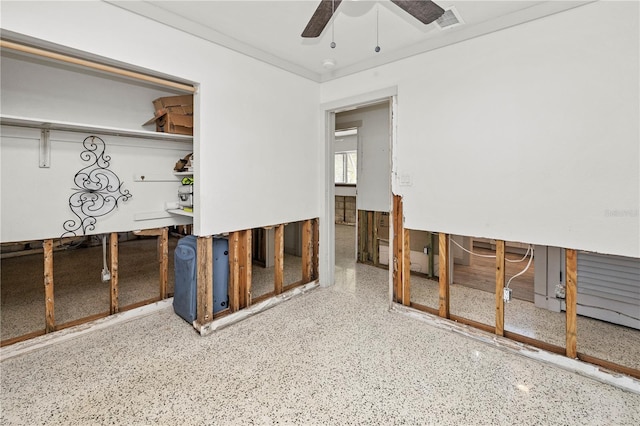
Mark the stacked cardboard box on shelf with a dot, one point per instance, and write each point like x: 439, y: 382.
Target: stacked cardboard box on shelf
x: 173, y: 114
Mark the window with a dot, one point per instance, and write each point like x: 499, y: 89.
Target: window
x: 346, y: 156
x: 346, y: 167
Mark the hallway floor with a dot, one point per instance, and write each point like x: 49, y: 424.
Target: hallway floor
x: 335, y: 355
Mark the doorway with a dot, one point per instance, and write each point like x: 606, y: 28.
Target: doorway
x: 360, y: 154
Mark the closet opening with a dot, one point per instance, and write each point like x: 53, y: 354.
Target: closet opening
x: 94, y: 235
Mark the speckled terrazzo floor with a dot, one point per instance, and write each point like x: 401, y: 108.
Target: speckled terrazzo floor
x: 262, y: 278
x: 78, y: 289
x: 332, y: 356
x: 600, y: 339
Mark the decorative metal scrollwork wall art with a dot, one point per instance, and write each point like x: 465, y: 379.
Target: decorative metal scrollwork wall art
x: 98, y: 190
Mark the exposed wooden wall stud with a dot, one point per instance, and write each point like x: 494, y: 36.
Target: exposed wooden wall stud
x: 369, y: 237
x: 500, y: 280
x: 234, y: 269
x: 50, y: 321
x: 307, y: 251
x: 279, y: 259
x: 443, y: 304
x: 315, y: 271
x: 362, y: 235
x: 398, y: 233
x: 406, y: 268
x: 204, y: 298
x: 163, y: 243
x: 242, y: 288
x: 245, y: 268
x: 375, y: 254
x: 571, y: 294
x: 114, y: 270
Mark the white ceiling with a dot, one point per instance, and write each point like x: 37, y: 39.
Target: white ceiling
x: 270, y: 30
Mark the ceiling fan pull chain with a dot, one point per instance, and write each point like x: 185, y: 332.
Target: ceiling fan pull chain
x: 377, y: 49
x: 333, y: 11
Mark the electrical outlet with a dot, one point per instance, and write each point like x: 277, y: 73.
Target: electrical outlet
x: 506, y: 294
x: 426, y: 250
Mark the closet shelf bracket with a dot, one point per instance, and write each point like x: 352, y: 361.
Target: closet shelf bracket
x: 45, y: 149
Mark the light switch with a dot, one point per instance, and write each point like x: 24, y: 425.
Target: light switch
x: 405, y: 179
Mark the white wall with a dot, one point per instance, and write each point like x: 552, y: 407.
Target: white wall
x: 256, y: 121
x: 527, y: 134
x: 373, y: 155
x: 39, y: 88
x: 35, y: 201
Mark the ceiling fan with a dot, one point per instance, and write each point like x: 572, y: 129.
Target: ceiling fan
x: 424, y: 11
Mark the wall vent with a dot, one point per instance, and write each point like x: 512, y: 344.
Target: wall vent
x: 449, y: 19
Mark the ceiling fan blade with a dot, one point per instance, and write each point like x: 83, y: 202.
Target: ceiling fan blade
x: 424, y: 11
x: 320, y: 18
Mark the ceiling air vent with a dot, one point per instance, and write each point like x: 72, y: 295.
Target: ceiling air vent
x: 449, y: 19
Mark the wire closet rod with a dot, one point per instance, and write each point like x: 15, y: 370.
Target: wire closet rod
x: 5, y: 44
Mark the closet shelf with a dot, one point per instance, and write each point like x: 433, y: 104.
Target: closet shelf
x: 37, y: 123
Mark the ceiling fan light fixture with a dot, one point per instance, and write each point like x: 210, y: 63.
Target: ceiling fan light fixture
x: 329, y: 63
x: 425, y: 11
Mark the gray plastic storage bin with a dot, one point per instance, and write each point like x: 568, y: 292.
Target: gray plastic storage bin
x: 186, y: 267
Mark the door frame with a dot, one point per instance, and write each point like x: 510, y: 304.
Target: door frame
x: 327, y: 229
